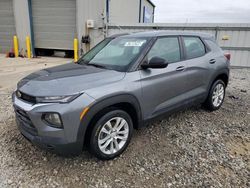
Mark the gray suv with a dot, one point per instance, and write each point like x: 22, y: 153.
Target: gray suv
x: 120, y: 85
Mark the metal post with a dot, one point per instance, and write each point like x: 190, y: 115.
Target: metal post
x: 216, y: 33
x: 28, y: 47
x: 15, y: 42
x: 75, y: 50
x: 31, y: 28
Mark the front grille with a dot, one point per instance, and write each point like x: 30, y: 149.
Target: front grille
x: 26, y: 97
x: 24, y: 121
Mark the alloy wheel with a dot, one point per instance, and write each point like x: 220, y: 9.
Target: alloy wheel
x: 218, y: 95
x: 113, y: 135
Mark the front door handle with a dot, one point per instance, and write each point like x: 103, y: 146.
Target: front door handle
x: 212, y: 61
x: 181, y: 68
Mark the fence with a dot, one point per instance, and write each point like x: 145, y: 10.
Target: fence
x: 233, y: 38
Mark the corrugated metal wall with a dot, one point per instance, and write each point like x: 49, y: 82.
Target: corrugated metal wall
x: 21, y: 14
x: 7, y: 25
x: 121, y: 11
x: 129, y: 11
x: 238, y: 44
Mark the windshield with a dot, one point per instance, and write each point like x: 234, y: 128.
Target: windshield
x: 116, y: 54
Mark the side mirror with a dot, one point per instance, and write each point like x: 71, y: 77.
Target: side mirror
x: 155, y: 63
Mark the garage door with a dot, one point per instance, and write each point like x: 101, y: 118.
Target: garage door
x: 54, y: 23
x: 7, y: 25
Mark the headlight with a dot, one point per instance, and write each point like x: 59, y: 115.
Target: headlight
x: 57, y: 99
x: 53, y: 119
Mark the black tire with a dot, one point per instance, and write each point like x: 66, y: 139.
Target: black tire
x: 93, y: 144
x: 209, y: 101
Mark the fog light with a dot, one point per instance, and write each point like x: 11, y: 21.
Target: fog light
x: 53, y: 119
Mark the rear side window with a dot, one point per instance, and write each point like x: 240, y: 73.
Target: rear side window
x: 167, y: 48
x: 214, y: 46
x: 194, y: 47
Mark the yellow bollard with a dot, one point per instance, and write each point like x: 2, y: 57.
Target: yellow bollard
x: 75, y: 50
x: 15, y: 43
x: 28, y: 47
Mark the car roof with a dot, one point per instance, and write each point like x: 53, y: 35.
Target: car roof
x: 163, y: 33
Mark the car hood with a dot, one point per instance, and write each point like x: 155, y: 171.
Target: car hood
x: 67, y: 79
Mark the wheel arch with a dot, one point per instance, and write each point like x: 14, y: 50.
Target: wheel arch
x: 223, y: 75
x: 126, y: 102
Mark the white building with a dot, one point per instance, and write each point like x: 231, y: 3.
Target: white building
x: 53, y: 24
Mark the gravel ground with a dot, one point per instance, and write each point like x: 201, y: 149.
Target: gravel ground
x: 192, y: 148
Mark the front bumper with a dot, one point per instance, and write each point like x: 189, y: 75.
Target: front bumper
x: 64, y: 141
x: 55, y: 145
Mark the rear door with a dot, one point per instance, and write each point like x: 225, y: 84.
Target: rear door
x: 198, y: 61
x: 164, y: 88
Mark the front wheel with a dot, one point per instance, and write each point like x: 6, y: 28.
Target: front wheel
x: 216, y: 96
x: 111, y: 134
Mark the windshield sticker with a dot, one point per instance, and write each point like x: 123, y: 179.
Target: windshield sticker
x: 135, y: 43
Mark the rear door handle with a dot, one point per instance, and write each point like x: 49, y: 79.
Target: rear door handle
x: 181, y: 68
x: 212, y: 61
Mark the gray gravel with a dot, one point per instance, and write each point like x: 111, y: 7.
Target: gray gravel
x: 192, y: 148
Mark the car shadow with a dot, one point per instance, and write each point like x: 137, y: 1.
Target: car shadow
x: 32, y: 157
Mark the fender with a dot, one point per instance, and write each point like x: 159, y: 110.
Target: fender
x: 215, y: 75
x: 104, y: 103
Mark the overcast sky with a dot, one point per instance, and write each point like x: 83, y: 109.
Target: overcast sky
x: 202, y: 11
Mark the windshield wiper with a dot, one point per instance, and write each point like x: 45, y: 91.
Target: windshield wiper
x: 96, y: 65
x: 81, y: 61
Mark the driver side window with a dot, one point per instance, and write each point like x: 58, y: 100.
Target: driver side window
x: 166, y: 48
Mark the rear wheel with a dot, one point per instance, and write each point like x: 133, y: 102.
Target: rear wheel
x: 111, y: 134
x: 216, y: 96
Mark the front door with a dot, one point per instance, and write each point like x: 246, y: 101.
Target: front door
x: 164, y: 88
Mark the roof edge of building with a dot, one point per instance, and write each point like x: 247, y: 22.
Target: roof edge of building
x: 151, y: 3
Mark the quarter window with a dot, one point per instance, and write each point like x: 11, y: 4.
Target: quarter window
x: 194, y: 47
x: 167, y: 48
